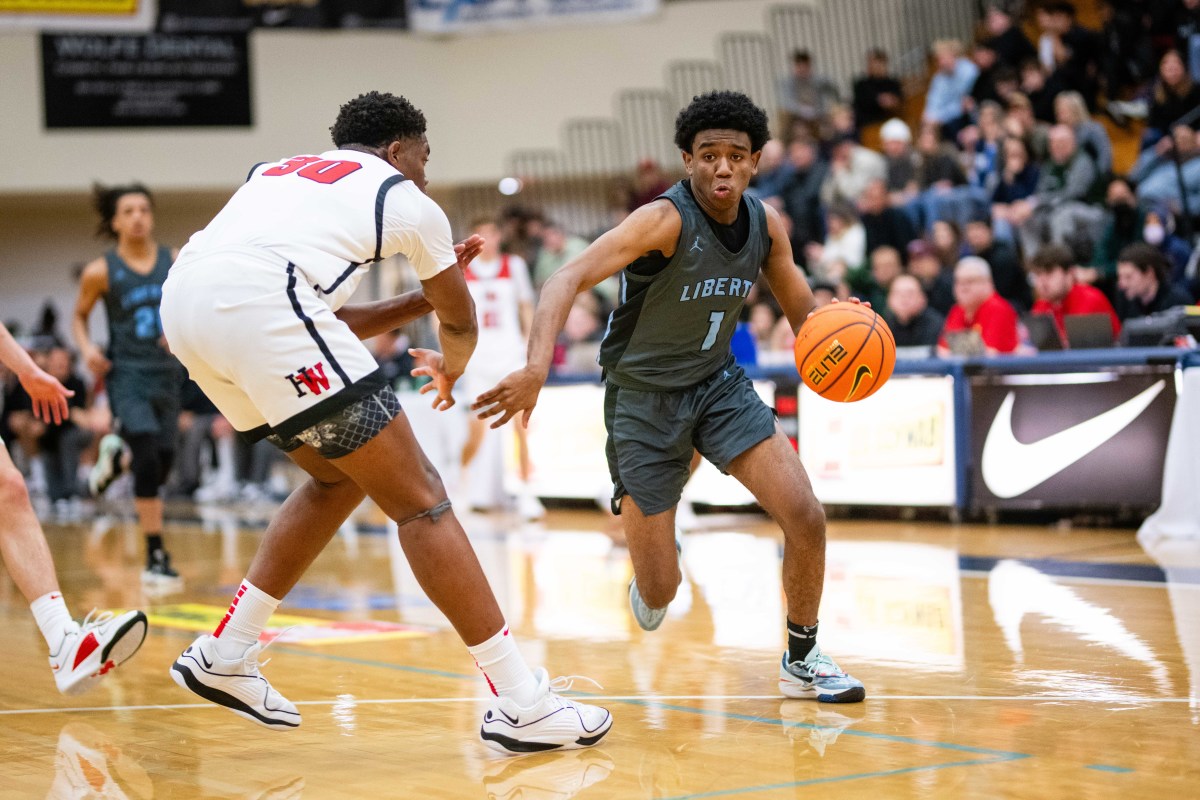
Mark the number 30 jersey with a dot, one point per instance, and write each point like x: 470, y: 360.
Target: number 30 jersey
x: 672, y: 329
x: 332, y: 216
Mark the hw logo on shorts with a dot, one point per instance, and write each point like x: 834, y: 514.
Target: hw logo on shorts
x: 311, y: 378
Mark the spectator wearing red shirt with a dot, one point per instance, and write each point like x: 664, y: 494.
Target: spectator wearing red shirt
x: 978, y: 307
x: 1058, y: 293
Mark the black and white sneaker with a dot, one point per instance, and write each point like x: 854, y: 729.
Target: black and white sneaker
x: 551, y: 723
x: 236, y: 684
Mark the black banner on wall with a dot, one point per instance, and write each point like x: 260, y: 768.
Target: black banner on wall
x: 1071, y: 441
x: 155, y: 80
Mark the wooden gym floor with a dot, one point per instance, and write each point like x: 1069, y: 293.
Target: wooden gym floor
x: 1000, y: 662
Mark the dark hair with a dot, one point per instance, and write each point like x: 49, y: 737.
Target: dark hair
x: 877, y: 53
x: 1146, y: 258
x: 105, y: 199
x: 729, y: 110
x: 801, y: 57
x: 1050, y: 257
x: 375, y: 119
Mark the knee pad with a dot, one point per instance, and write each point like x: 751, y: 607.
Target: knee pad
x: 147, y: 465
x: 348, y: 429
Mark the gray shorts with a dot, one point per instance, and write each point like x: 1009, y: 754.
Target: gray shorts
x: 651, y: 435
x: 146, y: 401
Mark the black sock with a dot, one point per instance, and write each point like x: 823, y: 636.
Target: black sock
x: 801, y: 640
x: 154, y: 544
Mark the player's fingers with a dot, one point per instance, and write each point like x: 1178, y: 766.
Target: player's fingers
x: 503, y: 420
x: 487, y: 398
x: 525, y: 417
x: 427, y: 388
x: 63, y: 411
x: 490, y: 411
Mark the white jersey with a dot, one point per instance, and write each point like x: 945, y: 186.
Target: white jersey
x: 498, y: 288
x: 332, y: 216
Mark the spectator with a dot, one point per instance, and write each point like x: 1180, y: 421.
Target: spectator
x: 985, y: 60
x: 199, y: 424
x: 1158, y: 230
x: 1058, y: 293
x: 1128, y: 59
x: 851, y: 168
x: 946, y: 239
x: 774, y: 171
x: 763, y: 318
x: 981, y: 144
x: 1158, y: 178
x: 1017, y: 183
x: 802, y: 193
x: 979, y: 308
x: 1175, y: 94
x: 806, y: 97
x: 579, y: 343
x: 1187, y: 34
x: 1122, y: 228
x: 949, y: 89
x: 913, y: 322
x: 649, y: 181
x: 1065, y: 194
x: 873, y: 286
x: 1008, y: 41
x: 878, y: 95
x: 1008, y: 277
x: 901, y: 164
x: 558, y: 247
x: 1040, y: 90
x: 937, y: 283
x: 939, y: 176
x: 1143, y: 285
x: 1021, y: 122
x: 1070, y: 110
x: 1073, y: 50
x: 883, y: 224
x: 826, y: 291
x: 845, y: 244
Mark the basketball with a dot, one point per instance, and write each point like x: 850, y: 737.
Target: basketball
x: 845, y: 352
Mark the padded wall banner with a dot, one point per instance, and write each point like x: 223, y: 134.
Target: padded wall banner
x: 476, y: 16
x: 1070, y: 440
x: 89, y: 15
x: 151, y: 81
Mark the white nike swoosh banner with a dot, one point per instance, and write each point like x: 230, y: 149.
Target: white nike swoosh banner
x: 1011, y: 468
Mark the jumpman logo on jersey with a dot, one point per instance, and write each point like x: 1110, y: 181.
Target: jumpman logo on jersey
x: 696, y: 246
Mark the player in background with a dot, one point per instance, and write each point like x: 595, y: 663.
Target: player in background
x: 80, y: 655
x: 503, y: 295
x: 142, y: 377
x: 687, y: 261
x: 275, y: 267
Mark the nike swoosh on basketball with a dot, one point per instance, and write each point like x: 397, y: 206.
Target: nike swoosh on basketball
x: 863, y: 372
x: 1011, y: 468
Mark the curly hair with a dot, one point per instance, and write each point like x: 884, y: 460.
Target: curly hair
x: 105, y: 199
x: 727, y: 110
x: 375, y: 119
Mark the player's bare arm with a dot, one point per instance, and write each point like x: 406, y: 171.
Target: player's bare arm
x: 786, y: 280
x: 372, y: 319
x: 653, y: 227
x: 48, y: 395
x: 457, y: 330
x: 93, y: 285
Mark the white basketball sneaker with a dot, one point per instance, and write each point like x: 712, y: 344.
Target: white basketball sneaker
x: 551, y: 723
x: 109, y: 464
x: 234, y: 683
x: 90, y: 650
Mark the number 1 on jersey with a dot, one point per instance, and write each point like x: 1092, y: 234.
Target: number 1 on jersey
x: 714, y: 327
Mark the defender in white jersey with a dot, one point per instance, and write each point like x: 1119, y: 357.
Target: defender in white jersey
x: 503, y: 295
x: 254, y: 308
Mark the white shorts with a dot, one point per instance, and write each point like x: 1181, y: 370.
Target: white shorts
x: 266, y: 350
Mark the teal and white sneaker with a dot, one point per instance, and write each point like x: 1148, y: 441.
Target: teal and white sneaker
x: 108, y: 465
x: 650, y: 618
x: 818, y: 675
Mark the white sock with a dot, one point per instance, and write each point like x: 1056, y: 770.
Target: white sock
x: 506, y: 672
x: 53, y: 618
x: 244, y: 621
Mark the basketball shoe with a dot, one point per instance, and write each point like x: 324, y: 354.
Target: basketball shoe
x: 557, y: 776
x: 551, y: 723
x: 159, y: 574
x: 234, y: 683
x: 650, y: 618
x: 90, y: 650
x: 108, y: 465
x: 818, y: 675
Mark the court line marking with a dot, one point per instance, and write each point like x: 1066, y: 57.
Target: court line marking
x: 622, y: 698
x: 1108, y: 768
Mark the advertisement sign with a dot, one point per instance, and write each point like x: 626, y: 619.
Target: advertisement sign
x: 1086, y: 439
x: 477, y: 16
x: 156, y: 80
x: 896, y: 448
x: 88, y: 15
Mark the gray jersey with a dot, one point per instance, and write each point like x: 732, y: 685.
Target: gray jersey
x: 672, y: 329
x: 132, y: 301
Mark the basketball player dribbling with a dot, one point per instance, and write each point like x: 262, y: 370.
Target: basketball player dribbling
x: 142, y: 377
x: 80, y: 655
x: 687, y: 261
x: 274, y: 268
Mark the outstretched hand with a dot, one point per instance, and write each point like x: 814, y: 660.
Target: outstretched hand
x: 431, y: 364
x: 516, y: 394
x: 468, y: 249
x: 48, y: 395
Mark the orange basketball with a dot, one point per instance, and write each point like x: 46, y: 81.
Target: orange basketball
x: 845, y: 352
